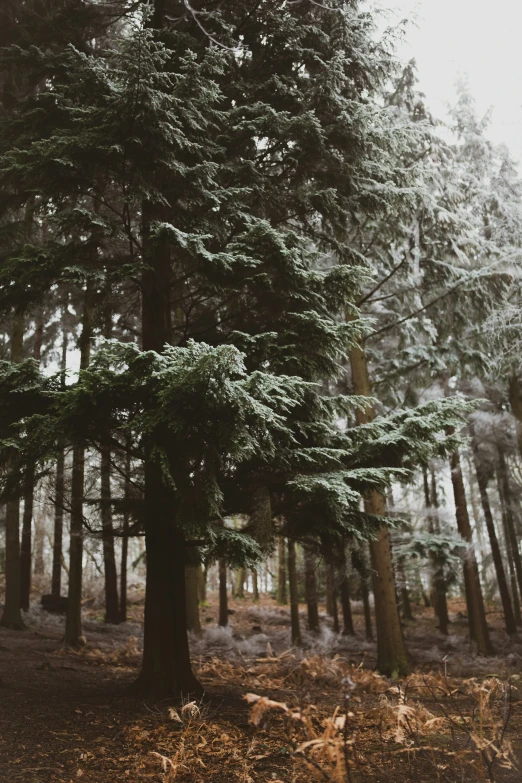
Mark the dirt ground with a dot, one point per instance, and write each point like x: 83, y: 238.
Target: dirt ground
x: 65, y: 716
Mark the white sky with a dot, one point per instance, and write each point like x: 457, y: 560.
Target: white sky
x: 479, y: 39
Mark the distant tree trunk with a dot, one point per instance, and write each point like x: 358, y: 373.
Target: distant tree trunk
x: 39, y: 543
x: 281, y: 573
x: 11, y: 617
x: 439, y: 579
x: 344, y: 590
x: 191, y: 598
x: 294, y: 601
x: 73, y: 618
x: 509, y: 617
x: 506, y: 501
x: 112, y: 609
x: 391, y: 651
x: 240, y: 584
x: 56, y: 578
x: 478, y: 628
x: 360, y: 563
x: 27, y: 519
x: 311, y: 589
x: 331, y: 586
x: 223, y: 596
x: 255, y: 584
x: 406, y: 611
x: 125, y: 537
x: 202, y: 584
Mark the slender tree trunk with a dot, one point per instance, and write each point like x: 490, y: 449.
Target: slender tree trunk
x: 202, y: 584
x: 311, y: 590
x: 11, y: 617
x: 223, y: 595
x: 505, y: 496
x: 73, y: 618
x: 478, y: 628
x: 281, y: 573
x: 294, y: 602
x: 255, y: 584
x: 39, y: 543
x: 439, y: 579
x: 125, y: 537
x: 56, y: 578
x: 112, y: 609
x: 191, y: 598
x: 344, y: 590
x: 509, y: 617
x: 27, y: 519
x: 391, y: 650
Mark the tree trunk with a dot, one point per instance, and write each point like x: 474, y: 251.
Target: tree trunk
x: 112, y: 609
x: 191, y: 598
x: 56, y: 579
x: 515, y: 400
x: 440, y: 581
x: 331, y: 586
x: 73, y: 618
x: 294, y: 602
x: 241, y: 579
x: 311, y: 590
x: 202, y: 584
x: 506, y: 501
x: 344, y: 590
x: 391, y: 651
x: 509, y: 617
x: 406, y: 611
x: 11, y: 617
x: 281, y: 573
x: 125, y: 537
x: 255, y: 584
x: 476, y: 612
x: 223, y: 596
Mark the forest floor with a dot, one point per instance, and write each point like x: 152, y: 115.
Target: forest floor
x: 316, y: 713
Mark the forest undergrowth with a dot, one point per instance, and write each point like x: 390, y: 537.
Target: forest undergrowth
x: 271, y: 712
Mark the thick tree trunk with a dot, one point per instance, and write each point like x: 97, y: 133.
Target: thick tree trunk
x: 223, y: 595
x: 509, y: 616
x: 241, y: 576
x: 56, y: 578
x: 391, y: 651
x: 191, y: 598
x: 478, y: 628
x: 73, y: 618
x: 11, y: 617
x: 344, y: 591
x: 311, y: 590
x: 166, y: 668
x: 112, y: 609
x: 294, y: 602
x: 281, y: 573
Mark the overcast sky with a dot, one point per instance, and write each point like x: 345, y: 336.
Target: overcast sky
x: 480, y: 39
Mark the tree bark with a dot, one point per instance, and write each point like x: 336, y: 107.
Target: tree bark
x: 440, y: 581
x: 112, y: 608
x: 406, y: 611
x: 331, y: 586
x: 11, y: 617
x: 505, y: 498
x: 478, y: 628
x: 191, y: 597
x: 125, y: 538
x: 281, y: 573
x: 311, y: 590
x: 255, y: 584
x: 344, y: 591
x: 509, y: 616
x: 391, y: 651
x: 56, y: 578
x: 294, y: 602
x: 241, y: 578
x: 73, y: 618
x: 223, y: 595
